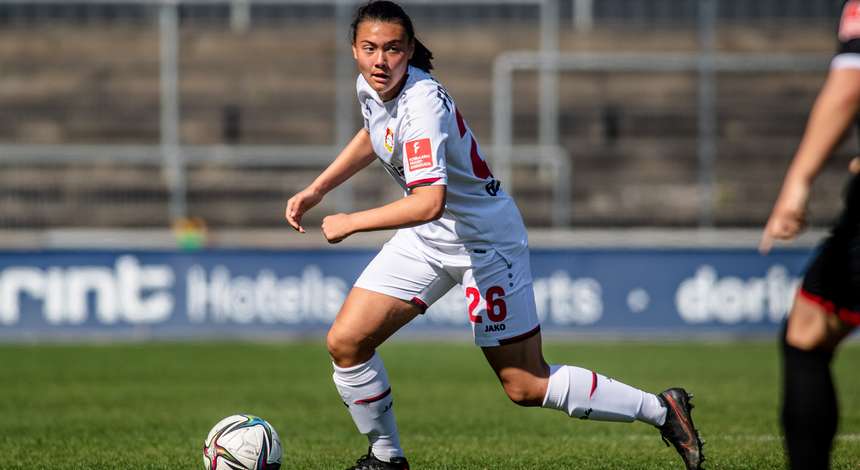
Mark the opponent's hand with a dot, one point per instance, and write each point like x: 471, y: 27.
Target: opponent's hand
x: 854, y: 166
x: 788, y: 217
x: 337, y: 227
x: 298, y: 205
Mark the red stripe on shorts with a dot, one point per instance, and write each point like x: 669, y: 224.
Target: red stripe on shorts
x: 851, y: 317
x: 521, y: 337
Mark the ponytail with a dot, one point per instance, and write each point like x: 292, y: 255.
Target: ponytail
x: 421, y: 57
x: 387, y: 11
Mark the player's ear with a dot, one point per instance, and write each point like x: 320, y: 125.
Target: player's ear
x: 354, y: 51
x: 411, y: 48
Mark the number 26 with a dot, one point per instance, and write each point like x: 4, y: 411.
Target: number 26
x: 496, y: 308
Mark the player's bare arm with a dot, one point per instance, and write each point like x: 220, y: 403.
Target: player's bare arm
x: 424, y: 204
x: 831, y: 116
x: 353, y: 158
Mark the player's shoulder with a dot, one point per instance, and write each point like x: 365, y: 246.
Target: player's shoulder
x: 423, y: 94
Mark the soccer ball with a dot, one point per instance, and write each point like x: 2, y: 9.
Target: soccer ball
x: 242, y: 442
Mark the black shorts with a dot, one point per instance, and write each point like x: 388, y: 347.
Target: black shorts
x: 833, y: 277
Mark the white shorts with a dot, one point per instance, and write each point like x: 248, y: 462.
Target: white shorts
x: 499, y: 297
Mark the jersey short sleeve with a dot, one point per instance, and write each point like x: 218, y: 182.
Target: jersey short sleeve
x: 364, y: 95
x: 848, y: 54
x: 424, y: 136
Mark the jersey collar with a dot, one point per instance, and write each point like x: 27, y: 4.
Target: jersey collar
x: 411, y: 76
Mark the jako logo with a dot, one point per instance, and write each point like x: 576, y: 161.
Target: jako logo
x: 705, y: 297
x: 129, y: 292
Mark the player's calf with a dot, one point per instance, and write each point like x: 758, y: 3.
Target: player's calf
x: 809, y: 410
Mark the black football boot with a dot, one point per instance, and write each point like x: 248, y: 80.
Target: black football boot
x: 679, y: 429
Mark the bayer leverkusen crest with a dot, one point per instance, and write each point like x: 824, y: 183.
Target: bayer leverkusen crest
x: 389, y: 140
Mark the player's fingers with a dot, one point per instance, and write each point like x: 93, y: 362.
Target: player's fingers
x: 779, y: 229
x: 297, y: 223
x: 789, y: 229
x: 766, y: 242
x: 288, y: 211
x: 292, y: 221
x: 293, y: 216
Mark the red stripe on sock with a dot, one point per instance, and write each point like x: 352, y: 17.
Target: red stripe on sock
x: 367, y: 401
x: 593, y: 383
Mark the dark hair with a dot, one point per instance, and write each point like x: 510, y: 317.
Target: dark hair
x: 391, y: 12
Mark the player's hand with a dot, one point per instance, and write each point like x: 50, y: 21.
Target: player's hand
x: 854, y: 166
x: 337, y: 227
x: 299, y: 204
x: 788, y: 217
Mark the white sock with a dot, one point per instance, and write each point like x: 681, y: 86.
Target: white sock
x: 584, y: 394
x: 366, y: 392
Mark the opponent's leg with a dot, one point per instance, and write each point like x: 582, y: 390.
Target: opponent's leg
x: 809, y: 409
x: 367, y: 319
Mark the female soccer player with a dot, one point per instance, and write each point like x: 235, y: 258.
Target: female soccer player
x: 456, y: 226
x: 827, y: 306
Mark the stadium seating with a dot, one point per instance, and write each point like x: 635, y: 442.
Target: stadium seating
x: 631, y: 137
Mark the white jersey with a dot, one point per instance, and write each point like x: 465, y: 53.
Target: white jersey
x: 422, y: 139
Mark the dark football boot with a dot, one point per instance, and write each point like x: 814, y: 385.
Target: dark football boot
x: 370, y: 462
x: 679, y: 429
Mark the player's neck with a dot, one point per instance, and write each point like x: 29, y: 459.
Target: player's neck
x: 394, y: 92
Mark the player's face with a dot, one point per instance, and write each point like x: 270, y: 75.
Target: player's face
x: 382, y: 50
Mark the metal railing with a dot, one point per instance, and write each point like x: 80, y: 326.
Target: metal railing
x: 175, y: 156
x: 506, y: 64
x: 551, y: 15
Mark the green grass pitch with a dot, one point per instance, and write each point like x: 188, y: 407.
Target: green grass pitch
x: 149, y: 405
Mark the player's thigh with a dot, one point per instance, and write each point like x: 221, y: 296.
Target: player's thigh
x: 365, y: 320
x: 812, y: 326
x: 394, y: 288
x: 827, y: 306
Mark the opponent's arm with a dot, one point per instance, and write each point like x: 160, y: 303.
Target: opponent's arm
x: 424, y: 204
x: 832, y: 114
x: 357, y: 154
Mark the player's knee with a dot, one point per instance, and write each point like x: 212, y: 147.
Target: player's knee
x: 805, y: 339
x: 344, y: 351
x: 525, y: 392
x: 805, y: 331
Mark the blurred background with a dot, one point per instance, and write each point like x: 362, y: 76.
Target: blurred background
x: 148, y: 148
x: 668, y: 113
x: 182, y: 125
